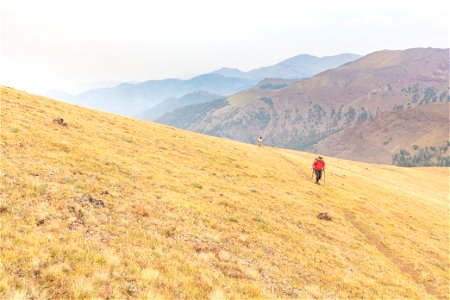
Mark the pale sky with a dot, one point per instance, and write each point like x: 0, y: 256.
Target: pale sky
x: 56, y: 44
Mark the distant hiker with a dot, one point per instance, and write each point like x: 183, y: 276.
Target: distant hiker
x: 318, y: 167
x: 260, y: 141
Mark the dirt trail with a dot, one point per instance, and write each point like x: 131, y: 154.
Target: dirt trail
x: 294, y: 165
x: 398, y: 261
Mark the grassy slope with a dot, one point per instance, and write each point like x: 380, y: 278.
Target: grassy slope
x: 193, y: 216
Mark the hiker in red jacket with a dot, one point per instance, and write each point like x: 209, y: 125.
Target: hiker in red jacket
x: 318, y: 167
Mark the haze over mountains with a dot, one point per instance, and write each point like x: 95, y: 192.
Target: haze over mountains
x: 301, y: 114
x: 131, y: 99
x: 138, y: 99
x: 307, y: 102
x: 172, y: 104
x: 297, y: 67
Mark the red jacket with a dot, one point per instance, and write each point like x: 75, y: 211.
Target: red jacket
x: 319, y: 165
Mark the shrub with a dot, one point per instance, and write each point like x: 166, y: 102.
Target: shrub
x: 424, y: 157
x: 232, y: 219
x: 350, y: 114
x: 197, y: 186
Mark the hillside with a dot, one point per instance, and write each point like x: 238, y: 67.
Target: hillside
x: 388, y: 133
x: 108, y: 206
x: 172, y: 104
x: 303, y: 113
x: 297, y: 67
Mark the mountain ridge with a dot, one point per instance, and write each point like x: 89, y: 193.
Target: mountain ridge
x: 296, y: 67
x: 131, y: 98
x: 172, y: 104
x: 300, y: 114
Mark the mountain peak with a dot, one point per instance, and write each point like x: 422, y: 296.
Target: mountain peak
x: 231, y: 72
x: 226, y: 69
x: 296, y: 67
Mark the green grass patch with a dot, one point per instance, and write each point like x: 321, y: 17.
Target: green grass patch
x: 197, y: 185
x: 439, y: 264
x: 41, y: 189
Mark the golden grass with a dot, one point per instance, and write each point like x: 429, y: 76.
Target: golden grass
x: 191, y: 216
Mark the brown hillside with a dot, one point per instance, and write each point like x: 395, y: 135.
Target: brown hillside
x: 378, y: 139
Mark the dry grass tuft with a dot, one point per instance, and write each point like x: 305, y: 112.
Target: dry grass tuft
x: 140, y: 210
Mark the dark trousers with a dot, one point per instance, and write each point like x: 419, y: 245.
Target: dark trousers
x: 318, y: 174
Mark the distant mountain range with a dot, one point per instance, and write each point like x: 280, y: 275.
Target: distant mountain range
x: 297, y: 67
x: 172, y: 104
x: 138, y: 99
x: 81, y: 88
x: 134, y: 98
x: 319, y: 113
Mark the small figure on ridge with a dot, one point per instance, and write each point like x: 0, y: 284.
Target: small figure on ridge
x: 260, y: 141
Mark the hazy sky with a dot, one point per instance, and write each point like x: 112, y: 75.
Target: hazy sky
x: 58, y: 44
